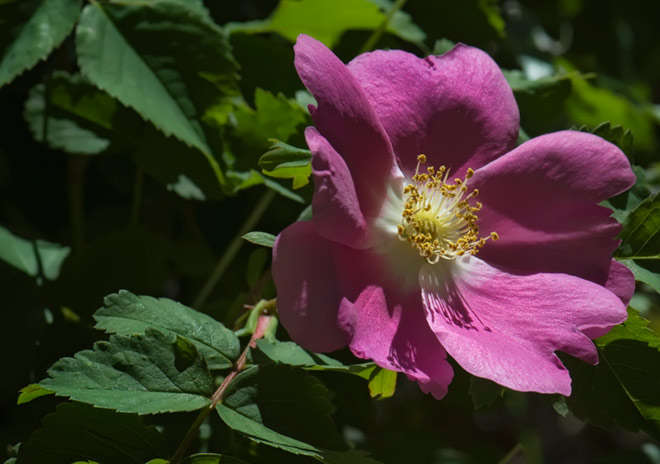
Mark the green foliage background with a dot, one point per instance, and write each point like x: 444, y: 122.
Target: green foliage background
x: 140, y: 141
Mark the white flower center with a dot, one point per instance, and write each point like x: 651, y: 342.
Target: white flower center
x: 438, y: 218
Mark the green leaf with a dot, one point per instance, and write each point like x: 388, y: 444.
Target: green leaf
x: 32, y: 392
x: 260, y: 238
x: 640, y: 237
x: 327, y: 20
x: 120, y: 49
x: 647, y: 271
x: 77, y: 117
x: 624, y: 388
x: 382, y: 383
x: 484, y: 392
x: 77, y: 432
x: 127, y: 314
x: 627, y: 201
x: 212, y: 458
x: 30, y: 31
x: 31, y: 257
x: 280, y: 407
x: 146, y: 374
x: 616, y: 134
x: 287, y: 162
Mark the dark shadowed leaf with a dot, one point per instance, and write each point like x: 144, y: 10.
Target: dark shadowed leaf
x: 145, y: 374
x: 127, y: 314
x: 624, y: 388
x: 30, y: 30
x: 640, y: 238
x: 484, y: 392
x: 78, y: 432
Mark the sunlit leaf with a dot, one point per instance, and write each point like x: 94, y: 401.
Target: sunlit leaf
x: 287, y: 162
x: 260, y: 238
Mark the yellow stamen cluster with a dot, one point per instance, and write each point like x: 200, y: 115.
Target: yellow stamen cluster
x: 438, y: 218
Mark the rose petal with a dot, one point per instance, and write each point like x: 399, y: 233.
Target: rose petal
x: 308, y: 293
x: 456, y: 108
x: 388, y: 326
x: 506, y: 327
x: 541, y: 199
x: 335, y: 207
x: 347, y: 120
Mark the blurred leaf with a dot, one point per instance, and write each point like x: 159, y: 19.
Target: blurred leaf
x: 640, y: 237
x: 484, y: 392
x: 30, y: 30
x: 80, y: 119
x: 128, y: 314
x: 624, y: 388
x: 287, y: 162
x: 78, y: 431
x: 145, y: 373
x: 280, y: 407
x: 491, y: 11
x: 212, y: 458
x: 591, y: 105
x: 255, y: 265
x: 327, y: 20
x: 31, y: 257
x: 260, y: 238
x: 120, y: 49
x: 32, y: 392
x: 274, y: 117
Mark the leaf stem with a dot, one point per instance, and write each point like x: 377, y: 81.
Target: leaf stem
x: 77, y: 166
x: 377, y: 33
x: 262, y: 324
x: 233, y: 248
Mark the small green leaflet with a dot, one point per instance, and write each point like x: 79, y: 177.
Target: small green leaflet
x: 146, y: 374
x: 32, y: 257
x: 31, y: 30
x: 79, y: 432
x: 32, y: 392
x: 382, y: 382
x: 640, y: 238
x: 624, y: 388
x: 260, y: 238
x: 127, y: 314
x: 287, y: 162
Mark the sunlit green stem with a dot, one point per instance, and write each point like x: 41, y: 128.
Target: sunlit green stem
x: 377, y: 33
x: 77, y: 166
x: 260, y: 330
x: 233, y: 248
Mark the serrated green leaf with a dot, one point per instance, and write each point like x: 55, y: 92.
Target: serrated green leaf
x: 280, y: 407
x: 640, y: 237
x: 212, y: 458
x: 146, y: 374
x: 616, y: 134
x: 31, y: 30
x: 484, y: 392
x: 260, y: 238
x: 127, y: 314
x: 624, y: 388
x: 32, y: 392
x: 77, y: 432
x: 70, y: 114
x: 32, y: 256
x: 627, y: 201
x: 120, y: 49
x: 327, y: 20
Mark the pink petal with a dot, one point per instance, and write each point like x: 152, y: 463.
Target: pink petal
x: 308, y: 293
x: 542, y: 198
x: 388, y: 326
x: 506, y: 327
x: 456, y: 108
x: 335, y: 207
x: 347, y: 120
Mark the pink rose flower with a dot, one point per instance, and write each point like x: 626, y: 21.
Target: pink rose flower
x: 496, y: 254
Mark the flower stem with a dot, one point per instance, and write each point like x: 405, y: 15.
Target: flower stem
x: 233, y: 248
x: 377, y: 33
x: 262, y: 324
